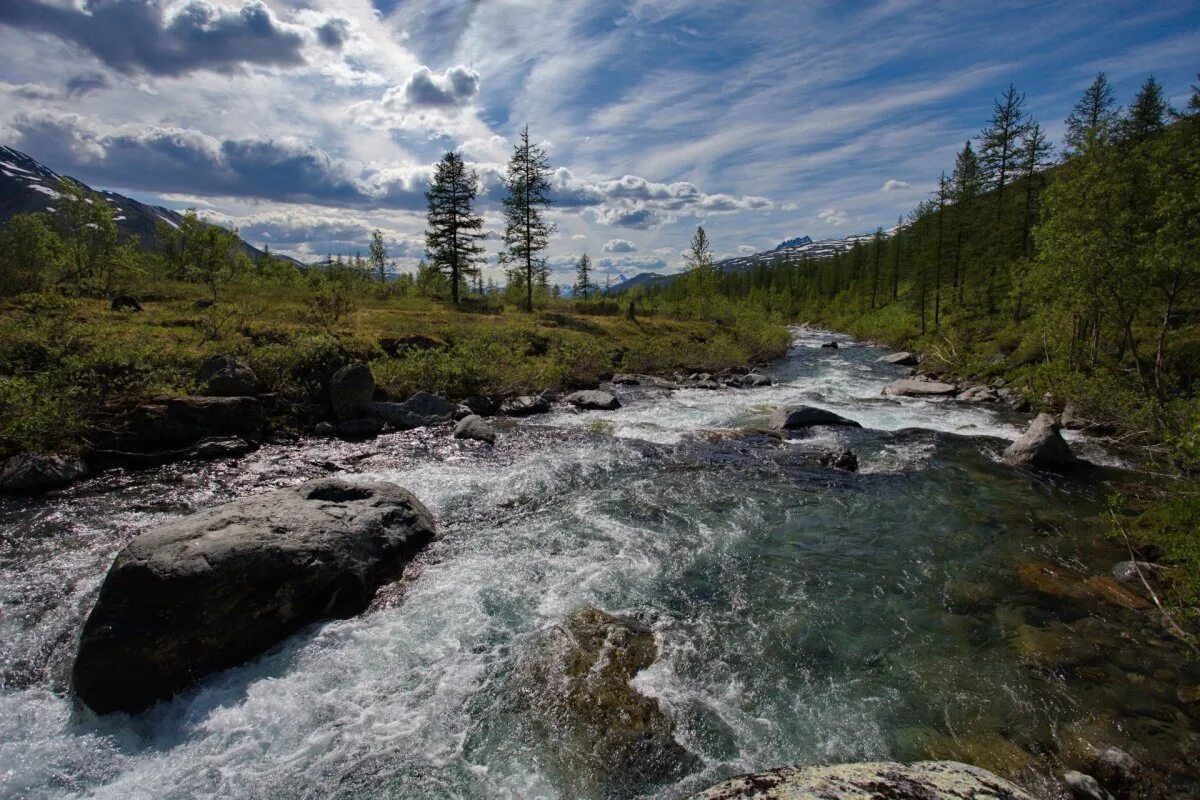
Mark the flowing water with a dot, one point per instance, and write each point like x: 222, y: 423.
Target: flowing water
x: 802, y: 615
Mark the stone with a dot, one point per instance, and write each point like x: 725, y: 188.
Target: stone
x: 351, y: 389
x: 1084, y: 787
x: 525, y: 406
x: 482, y: 405
x: 1041, y: 445
x: 1069, y: 419
x: 473, y: 427
x: 1115, y: 768
x: 225, y: 376
x: 1108, y: 589
x: 359, y: 429
x: 34, y: 473
x: 324, y: 429
x: 903, y: 359
x: 211, y: 590
x: 125, y: 302
x: 791, y: 417
x: 1127, y: 571
x: 978, y: 394
x: 593, y: 400
x: 180, y: 422
x: 461, y: 411
x: 622, y: 379
x: 706, y: 383
x: 204, y: 450
x: 923, y: 780
x: 755, y: 380
x: 418, y: 411
x: 844, y: 460
x: 911, y: 387
x: 831, y: 345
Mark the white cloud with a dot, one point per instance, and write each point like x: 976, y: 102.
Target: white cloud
x: 619, y: 246
x: 833, y: 216
x: 892, y: 185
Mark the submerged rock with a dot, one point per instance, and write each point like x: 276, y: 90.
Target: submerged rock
x: 225, y: 376
x: 473, y: 427
x: 211, y: 590
x: 1041, y: 445
x: 525, y: 406
x: 791, y: 417
x: 593, y: 399
x: 831, y: 345
x: 34, y: 473
x: 359, y: 429
x: 351, y: 389
x: 843, y: 460
x: 903, y: 359
x: 924, y: 780
x: 911, y: 387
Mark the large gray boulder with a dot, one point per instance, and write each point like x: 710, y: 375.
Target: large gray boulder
x: 924, y: 780
x: 593, y: 400
x: 418, y: 411
x: 908, y: 387
x: 525, y: 406
x: 1041, y: 445
x: 791, y: 417
x: 225, y: 376
x: 351, y: 389
x: 903, y: 359
x: 473, y: 427
x: 34, y: 473
x: 211, y: 590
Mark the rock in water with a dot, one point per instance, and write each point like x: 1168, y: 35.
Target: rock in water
x: 831, y: 345
x: 1084, y: 787
x: 604, y: 733
x: 211, y: 590
x: 909, y: 387
x: 180, y: 422
x: 843, y: 460
x: 473, y: 427
x: 790, y: 417
x: 224, y: 376
x: 593, y: 399
x: 1041, y: 445
x: 924, y: 780
x: 357, y: 430
x: 418, y: 411
x: 351, y: 389
x: 34, y: 473
x: 904, y: 359
x: 525, y: 406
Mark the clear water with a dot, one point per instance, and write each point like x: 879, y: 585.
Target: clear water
x: 802, y: 615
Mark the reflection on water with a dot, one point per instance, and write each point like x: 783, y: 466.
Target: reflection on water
x: 928, y: 606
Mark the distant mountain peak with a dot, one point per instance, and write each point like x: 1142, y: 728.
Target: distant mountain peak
x: 797, y: 242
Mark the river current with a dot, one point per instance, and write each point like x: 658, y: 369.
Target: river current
x: 802, y: 614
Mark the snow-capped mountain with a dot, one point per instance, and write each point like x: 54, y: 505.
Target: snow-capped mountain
x: 799, y: 240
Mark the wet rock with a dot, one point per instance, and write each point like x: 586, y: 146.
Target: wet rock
x: 593, y: 399
x: 225, y: 376
x: 461, y: 412
x: 605, y: 735
x: 924, y: 780
x: 1106, y: 588
x: 1127, y: 571
x: 473, y: 427
x: 211, y: 590
x: 205, y: 450
x: 755, y: 380
x: 1041, y: 445
x: 978, y: 394
x: 418, y: 411
x: 624, y: 379
x: 34, y: 473
x: 1054, y: 581
x: 351, y: 389
x: 180, y: 422
x: 360, y: 429
x: 704, y: 384
x: 843, y: 460
x: 125, y: 302
x: 525, y: 406
x: 903, y: 359
x: 831, y: 345
x: 325, y: 429
x: 1084, y: 787
x: 911, y: 387
x: 791, y: 417
x: 1070, y: 420
x: 1116, y: 769
x: 985, y: 749
x: 482, y: 405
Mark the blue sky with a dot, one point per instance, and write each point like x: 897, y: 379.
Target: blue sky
x: 310, y: 122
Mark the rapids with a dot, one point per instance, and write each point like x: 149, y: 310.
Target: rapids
x: 803, y: 615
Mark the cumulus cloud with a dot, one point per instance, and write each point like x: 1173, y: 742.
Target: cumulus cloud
x: 154, y: 37
x: 333, y: 33
x: 89, y: 83
x: 619, y: 246
x: 579, y: 237
x: 894, y: 185
x: 833, y: 216
x: 424, y: 89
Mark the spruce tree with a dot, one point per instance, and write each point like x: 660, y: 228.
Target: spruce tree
x: 526, y: 232
x: 1035, y: 157
x: 454, y: 230
x: 1147, y: 114
x: 377, y: 252
x: 968, y: 183
x: 999, y: 152
x: 1094, y: 116
x: 583, y: 276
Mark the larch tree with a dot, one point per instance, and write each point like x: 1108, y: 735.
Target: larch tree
x: 967, y: 184
x: 1095, y: 115
x: 454, y: 230
x: 526, y: 231
x: 1000, y: 147
x: 377, y: 253
x: 583, y: 276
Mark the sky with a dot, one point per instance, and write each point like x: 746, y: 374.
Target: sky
x: 308, y: 123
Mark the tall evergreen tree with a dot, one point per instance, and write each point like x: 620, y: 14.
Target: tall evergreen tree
x: 583, y: 276
x: 377, y: 252
x: 943, y: 194
x: 1035, y: 158
x: 1148, y: 112
x: 1000, y: 147
x: 877, y: 243
x: 526, y: 232
x: 454, y: 230
x: 968, y: 183
x: 1094, y: 115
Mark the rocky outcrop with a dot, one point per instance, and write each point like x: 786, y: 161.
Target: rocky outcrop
x: 525, y: 406
x: 351, y: 390
x: 34, y: 473
x: 924, y: 780
x: 225, y: 376
x: 418, y: 411
x: 211, y: 590
x: 792, y: 417
x: 180, y: 422
x: 911, y: 387
x: 1041, y: 445
x: 473, y: 427
x: 593, y: 400
x: 903, y: 359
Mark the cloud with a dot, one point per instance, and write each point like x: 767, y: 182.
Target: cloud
x: 833, y: 216
x: 333, y: 33
x: 619, y: 246
x: 747, y: 250
x: 894, y: 185
x: 424, y: 89
x: 151, y: 36
x: 579, y: 237
x: 638, y: 218
x: 86, y: 84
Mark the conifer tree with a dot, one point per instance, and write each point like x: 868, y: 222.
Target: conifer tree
x: 943, y: 194
x: 1094, y: 115
x: 1035, y: 157
x: 454, y: 230
x: 377, y: 252
x: 583, y: 276
x: 1147, y: 114
x: 999, y: 151
x: 877, y: 242
x: 897, y: 249
x: 968, y: 182
x: 526, y: 232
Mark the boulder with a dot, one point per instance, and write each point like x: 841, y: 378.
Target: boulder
x: 418, y: 411
x: 923, y: 780
x: 1127, y: 571
x: 593, y: 400
x: 34, y: 473
x: 224, y: 376
x: 1041, y: 445
x: 706, y: 383
x: 622, y: 379
x: 209, y: 591
x: 350, y: 390
x: 482, y: 405
x: 324, y: 429
x: 1069, y: 419
x: 205, y: 450
x: 911, y: 387
x: 977, y: 394
x: 831, y: 345
x: 397, y: 346
x: 903, y: 359
x: 790, y: 417
x: 355, y: 430
x: 125, y: 302
x: 473, y: 427
x: 843, y: 460
x: 526, y: 405
x: 180, y: 422
x: 1084, y: 787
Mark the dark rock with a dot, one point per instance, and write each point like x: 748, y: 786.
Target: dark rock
x: 593, y: 399
x: 224, y: 376
x: 1116, y: 769
x: 843, y: 460
x: 1041, y: 445
x: 622, y: 379
x: 418, y: 411
x: 482, y: 405
x: 350, y: 390
x: 1084, y: 787
x: 1127, y: 571
x: 125, y: 302
x: 903, y: 359
x: 359, y: 429
x: 462, y: 411
x: 325, y: 429
x: 473, y: 427
x: 911, y: 387
x: 790, y: 417
x: 180, y: 422
x: 34, y: 473
x: 525, y: 406
x: 204, y: 450
x: 398, y: 346
x: 832, y: 345
x: 211, y: 590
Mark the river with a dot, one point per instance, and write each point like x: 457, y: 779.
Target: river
x: 802, y: 614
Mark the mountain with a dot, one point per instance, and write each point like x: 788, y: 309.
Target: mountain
x: 27, y: 187
x: 799, y: 240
